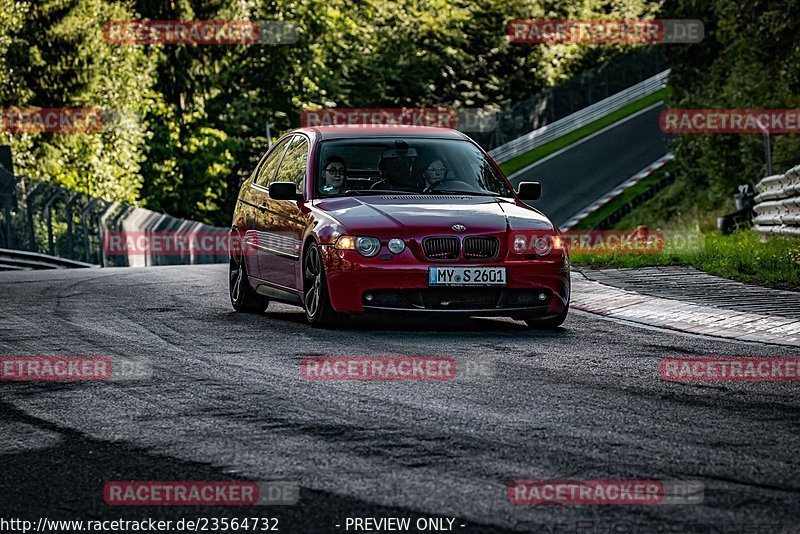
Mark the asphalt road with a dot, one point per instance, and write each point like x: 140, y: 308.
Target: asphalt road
x: 225, y: 400
x: 586, y: 171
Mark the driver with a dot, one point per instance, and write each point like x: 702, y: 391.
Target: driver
x: 335, y: 175
x: 395, y: 166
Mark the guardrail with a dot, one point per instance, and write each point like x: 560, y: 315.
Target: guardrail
x: 13, y: 260
x: 128, y: 222
x: 778, y: 204
x: 579, y: 119
x: 54, y: 222
x: 627, y: 184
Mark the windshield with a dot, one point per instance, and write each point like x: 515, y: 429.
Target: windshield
x: 354, y: 167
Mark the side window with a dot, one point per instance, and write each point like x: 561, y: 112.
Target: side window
x: 293, y: 168
x: 270, y: 165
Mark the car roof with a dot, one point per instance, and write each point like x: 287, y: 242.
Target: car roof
x: 358, y: 131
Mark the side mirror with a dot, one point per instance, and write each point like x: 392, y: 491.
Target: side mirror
x: 284, y: 191
x: 530, y: 190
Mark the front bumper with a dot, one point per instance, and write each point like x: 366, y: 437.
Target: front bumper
x: 357, y: 285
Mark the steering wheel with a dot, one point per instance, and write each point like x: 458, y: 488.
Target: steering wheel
x: 435, y: 185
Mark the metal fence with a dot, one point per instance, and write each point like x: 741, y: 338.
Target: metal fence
x: 45, y: 218
x: 583, y: 90
x: 778, y: 204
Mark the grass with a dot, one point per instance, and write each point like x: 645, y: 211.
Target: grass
x: 595, y: 218
x: 691, y: 238
x: 744, y: 255
x: 523, y: 160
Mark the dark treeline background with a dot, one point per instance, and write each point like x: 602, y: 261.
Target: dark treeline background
x: 189, y: 121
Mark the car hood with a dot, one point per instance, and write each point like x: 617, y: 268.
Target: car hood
x: 374, y: 215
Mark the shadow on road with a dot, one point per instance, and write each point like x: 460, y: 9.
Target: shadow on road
x: 65, y: 481
x: 421, y: 322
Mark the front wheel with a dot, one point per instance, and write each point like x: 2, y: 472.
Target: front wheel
x: 316, y: 301
x: 547, y: 324
x: 243, y: 297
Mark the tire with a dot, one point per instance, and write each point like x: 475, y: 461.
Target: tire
x: 547, y: 324
x: 316, y: 299
x: 243, y: 298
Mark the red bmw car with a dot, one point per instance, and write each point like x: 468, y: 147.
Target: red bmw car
x: 347, y: 220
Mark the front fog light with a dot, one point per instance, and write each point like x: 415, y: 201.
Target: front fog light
x: 520, y: 244
x: 368, y: 246
x: 543, y: 245
x: 396, y: 245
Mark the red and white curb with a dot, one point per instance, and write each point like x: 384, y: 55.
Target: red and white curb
x: 644, y: 173
x: 594, y: 297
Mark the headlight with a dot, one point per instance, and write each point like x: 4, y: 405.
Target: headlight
x: 368, y: 246
x: 543, y: 245
x: 396, y: 245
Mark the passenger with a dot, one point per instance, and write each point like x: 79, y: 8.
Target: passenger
x: 434, y: 172
x: 335, y: 174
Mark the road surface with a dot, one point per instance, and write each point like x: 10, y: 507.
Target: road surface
x: 224, y: 399
x: 585, y: 171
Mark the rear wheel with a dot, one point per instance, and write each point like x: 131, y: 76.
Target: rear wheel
x: 243, y: 297
x: 317, y: 302
x: 547, y: 324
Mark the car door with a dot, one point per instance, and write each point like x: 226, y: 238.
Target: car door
x: 289, y: 218
x: 248, y: 198
x: 260, y: 223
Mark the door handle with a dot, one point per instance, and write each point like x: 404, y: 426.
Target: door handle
x: 263, y: 208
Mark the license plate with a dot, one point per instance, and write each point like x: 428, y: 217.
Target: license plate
x: 467, y: 276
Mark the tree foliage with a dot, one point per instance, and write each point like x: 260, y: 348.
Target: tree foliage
x: 202, y: 110
x: 54, y: 56
x: 748, y: 60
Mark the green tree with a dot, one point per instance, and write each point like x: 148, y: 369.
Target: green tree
x: 55, y: 56
x: 190, y: 158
